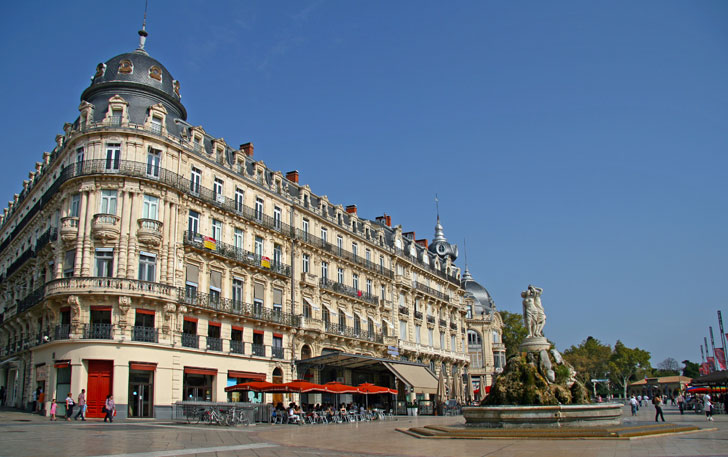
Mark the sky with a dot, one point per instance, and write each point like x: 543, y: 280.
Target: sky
x: 578, y: 146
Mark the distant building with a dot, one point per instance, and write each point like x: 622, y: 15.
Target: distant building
x: 665, y: 385
x: 148, y: 259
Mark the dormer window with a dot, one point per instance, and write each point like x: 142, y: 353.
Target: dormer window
x: 155, y: 73
x: 126, y: 67
x: 197, y: 144
x: 156, y: 125
x: 116, y: 115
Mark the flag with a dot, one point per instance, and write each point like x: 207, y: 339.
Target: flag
x: 702, y: 369
x: 265, y: 262
x: 711, y: 364
x: 720, y: 358
x: 209, y: 243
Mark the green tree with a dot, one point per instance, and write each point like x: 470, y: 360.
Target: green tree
x: 625, y: 363
x: 589, y: 359
x: 514, y: 332
x: 690, y: 369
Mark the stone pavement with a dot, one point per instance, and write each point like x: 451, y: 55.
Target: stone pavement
x: 23, y: 434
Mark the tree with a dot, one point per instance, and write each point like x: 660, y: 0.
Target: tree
x: 589, y: 359
x: 691, y: 369
x: 669, y: 364
x: 514, y: 332
x: 625, y: 363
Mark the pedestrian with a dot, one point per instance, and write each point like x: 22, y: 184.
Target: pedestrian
x: 708, y: 405
x: 81, y: 406
x: 41, y: 401
x: 109, y: 408
x: 633, y: 404
x: 36, y: 392
x: 681, y: 403
x: 53, y: 409
x: 639, y: 400
x: 69, y: 406
x: 657, y: 401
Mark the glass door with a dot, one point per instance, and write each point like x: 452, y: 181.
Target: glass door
x: 141, y: 393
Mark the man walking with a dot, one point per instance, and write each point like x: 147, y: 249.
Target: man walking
x: 657, y: 401
x: 81, y: 406
x: 681, y: 403
x: 633, y: 403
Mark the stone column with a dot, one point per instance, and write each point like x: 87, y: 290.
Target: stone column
x: 121, y: 259
x: 82, y: 235
x: 87, y: 244
x: 172, y: 241
x: 132, y: 258
x: 165, y: 217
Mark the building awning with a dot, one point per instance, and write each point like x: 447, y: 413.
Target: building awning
x: 246, y: 375
x: 311, y: 304
x: 417, y: 376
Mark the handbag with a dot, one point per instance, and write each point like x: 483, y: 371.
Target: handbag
x: 103, y: 409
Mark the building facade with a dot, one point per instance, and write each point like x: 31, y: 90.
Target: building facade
x: 148, y: 259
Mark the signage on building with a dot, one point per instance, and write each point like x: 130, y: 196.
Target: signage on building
x: 209, y: 243
x: 392, y: 350
x: 265, y: 262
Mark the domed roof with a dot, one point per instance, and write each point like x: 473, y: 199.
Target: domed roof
x: 484, y: 303
x: 138, y: 72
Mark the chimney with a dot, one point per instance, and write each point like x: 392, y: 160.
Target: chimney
x: 422, y: 242
x: 292, y: 176
x: 385, y: 220
x: 247, y: 149
x: 409, y: 235
x: 351, y: 209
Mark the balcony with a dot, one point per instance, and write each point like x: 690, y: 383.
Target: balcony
x: 443, y: 323
x: 431, y: 320
x: 190, y: 340
x: 97, y: 331
x: 277, y: 352
x: 430, y: 291
x: 150, y: 232
x: 202, y: 300
x: 62, y: 332
x: 453, y: 326
x: 113, y: 286
x: 105, y: 227
x: 403, y: 310
x: 145, y: 334
x: 229, y: 251
x: 258, y: 349
x: 351, y: 332
x: 69, y: 229
x: 343, y: 289
x: 418, y: 315
x: 214, y: 344
x: 237, y: 347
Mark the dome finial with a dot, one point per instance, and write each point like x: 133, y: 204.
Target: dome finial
x: 143, y: 32
x: 466, y: 276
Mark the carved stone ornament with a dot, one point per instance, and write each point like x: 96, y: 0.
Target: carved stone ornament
x: 155, y: 73
x: 75, y: 304
x: 100, y: 70
x: 175, y: 86
x: 124, y: 304
x: 126, y: 67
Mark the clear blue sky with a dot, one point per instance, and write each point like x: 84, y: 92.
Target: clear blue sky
x: 578, y: 146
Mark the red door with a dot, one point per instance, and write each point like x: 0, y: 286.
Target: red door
x: 100, y: 383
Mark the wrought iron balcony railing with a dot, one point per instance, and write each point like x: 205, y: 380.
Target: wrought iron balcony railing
x: 258, y: 349
x: 190, y: 340
x: 418, y: 315
x: 97, y: 331
x: 431, y: 291
x: 403, y: 310
x: 145, y: 334
x: 277, y: 352
x: 62, y: 332
x: 350, y: 332
x: 237, y: 347
x: 214, y: 344
x: 348, y: 291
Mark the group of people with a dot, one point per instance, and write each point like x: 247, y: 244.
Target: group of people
x: 109, y: 408
x: 680, y: 401
x: 327, y: 411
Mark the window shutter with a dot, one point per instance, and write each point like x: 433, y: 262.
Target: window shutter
x: 215, y: 279
x: 192, y: 274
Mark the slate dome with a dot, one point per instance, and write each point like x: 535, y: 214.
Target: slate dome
x: 484, y: 303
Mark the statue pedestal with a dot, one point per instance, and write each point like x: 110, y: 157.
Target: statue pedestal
x: 535, y: 344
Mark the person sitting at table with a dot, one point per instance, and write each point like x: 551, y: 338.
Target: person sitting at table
x: 292, y: 416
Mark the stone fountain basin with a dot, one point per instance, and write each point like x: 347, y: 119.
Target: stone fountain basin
x: 507, y: 416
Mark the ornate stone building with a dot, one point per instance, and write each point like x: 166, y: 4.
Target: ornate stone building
x: 148, y: 259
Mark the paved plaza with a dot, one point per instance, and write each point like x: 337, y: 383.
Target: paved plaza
x: 24, y: 434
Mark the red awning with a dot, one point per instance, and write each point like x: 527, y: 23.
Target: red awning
x: 145, y: 311
x: 246, y: 375
x: 204, y: 371
x: 339, y: 388
x: 145, y: 366
x: 257, y: 386
x: 370, y: 389
x: 62, y: 364
x: 301, y: 386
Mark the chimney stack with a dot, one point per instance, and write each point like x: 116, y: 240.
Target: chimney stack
x: 385, y: 220
x: 422, y: 242
x: 351, y: 209
x: 409, y: 235
x: 292, y: 176
x: 247, y: 149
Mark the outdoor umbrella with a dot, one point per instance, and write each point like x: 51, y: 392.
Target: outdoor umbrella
x: 368, y: 388
x: 339, y: 388
x: 300, y: 386
x: 257, y: 386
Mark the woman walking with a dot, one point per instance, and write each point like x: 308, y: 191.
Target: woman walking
x: 69, y: 406
x: 109, y: 408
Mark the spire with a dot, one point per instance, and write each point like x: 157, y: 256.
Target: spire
x: 466, y: 276
x: 439, y: 231
x: 143, y: 32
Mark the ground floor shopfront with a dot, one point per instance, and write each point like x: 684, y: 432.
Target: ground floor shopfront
x: 145, y: 380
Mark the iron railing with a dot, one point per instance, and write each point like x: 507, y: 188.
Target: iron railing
x: 62, y: 332
x: 403, y: 310
x: 227, y: 305
x: 348, y: 291
x: 190, y: 340
x: 145, y: 334
x: 96, y: 331
x: 277, y: 352
x: 350, y: 332
x: 237, y: 347
x: 214, y: 344
x: 431, y: 291
x: 258, y: 349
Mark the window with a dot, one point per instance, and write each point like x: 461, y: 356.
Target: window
x: 153, y: 159
x: 370, y: 326
x: 239, y: 199
x: 147, y: 266
x: 75, y: 203
x: 193, y: 222
x: 403, y: 330
x: 195, y: 176
x: 277, y: 218
x: 258, y: 247
x: 357, y: 324
x: 369, y: 287
x: 259, y: 208
x: 68, y: 263
x: 218, y: 190
x: 382, y: 292
x: 116, y: 117
x: 192, y: 273
x: 156, y: 125
x: 79, y: 160
x: 340, y: 275
x: 306, y: 263
x: 277, y: 255
x: 496, y: 337
x: 215, y: 287
x: 277, y: 348
x: 339, y: 243
x: 104, y: 263
x: 430, y: 337
x: 258, y: 296
x: 325, y: 315
x: 324, y: 235
x: 342, y: 318
x: 108, y: 202
x: 452, y: 343
x: 237, y: 291
x: 355, y: 281
x: 113, y: 156
x: 418, y: 332
x: 150, y: 208
x: 442, y: 340
x: 355, y: 250
x: 324, y: 271
x: 304, y: 229
x: 217, y: 230
x: 277, y: 300
x: 368, y: 255
x: 238, y: 239
x: 306, y: 309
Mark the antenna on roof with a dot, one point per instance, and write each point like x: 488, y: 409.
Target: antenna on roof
x: 143, y: 32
